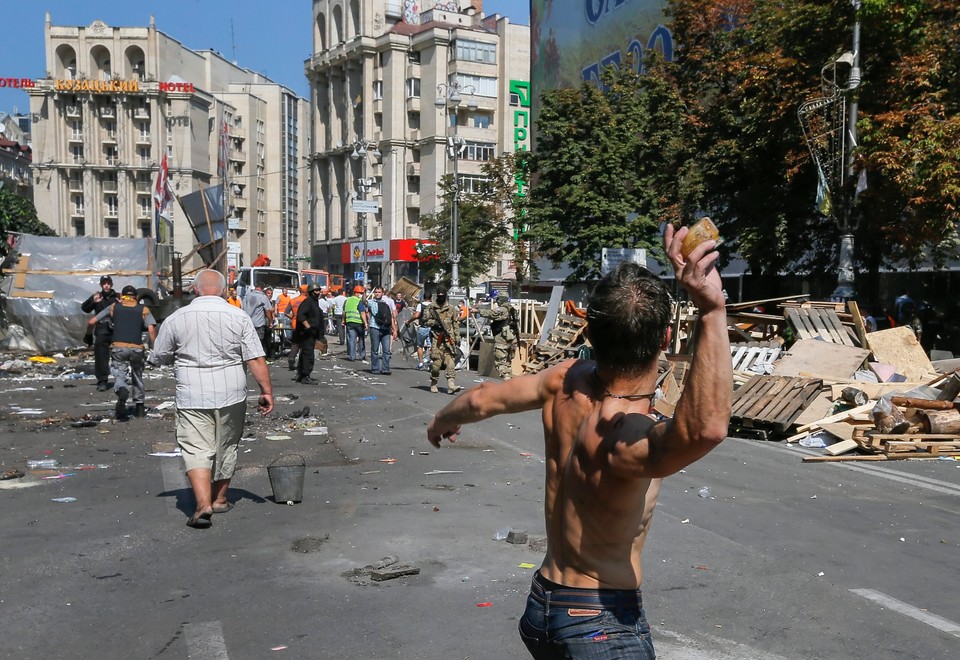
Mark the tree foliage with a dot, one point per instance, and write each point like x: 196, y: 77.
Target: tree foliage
x: 717, y: 132
x: 18, y: 215
x: 610, y: 165
x: 483, y: 226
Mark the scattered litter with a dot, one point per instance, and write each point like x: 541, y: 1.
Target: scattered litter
x: 290, y: 502
x: 278, y: 437
x: 368, y: 398
x: 30, y: 411
x: 167, y: 454
x: 63, y: 500
x: 704, y: 492
x: 820, y: 574
x: 11, y: 474
x: 247, y: 451
x: 278, y: 648
x: 84, y: 424
x: 433, y: 472
x: 164, y: 405
x: 526, y: 454
x: 517, y: 537
x: 23, y: 389
x: 318, y: 430
x: 813, y: 441
x: 489, y: 450
x: 43, y: 464
x: 424, y: 453
x: 42, y: 359
x: 702, y: 567
x: 435, y: 509
x: 902, y: 540
x: 484, y: 604
x: 371, y: 472
x: 526, y: 565
x: 61, y: 476
x: 391, y: 461
x: 501, y: 534
x: 813, y: 497
x: 684, y: 521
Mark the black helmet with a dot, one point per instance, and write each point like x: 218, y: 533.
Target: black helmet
x: 314, y: 287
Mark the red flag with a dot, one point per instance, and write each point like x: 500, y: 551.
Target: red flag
x: 163, y: 194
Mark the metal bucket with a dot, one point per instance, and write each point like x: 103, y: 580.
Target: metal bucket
x: 287, y: 480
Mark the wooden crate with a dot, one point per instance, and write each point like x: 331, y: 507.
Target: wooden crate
x: 773, y: 402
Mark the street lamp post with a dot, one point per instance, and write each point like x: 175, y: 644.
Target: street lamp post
x: 361, y: 148
x: 449, y: 98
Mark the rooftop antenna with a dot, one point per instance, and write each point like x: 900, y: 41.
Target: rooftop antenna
x: 233, y: 41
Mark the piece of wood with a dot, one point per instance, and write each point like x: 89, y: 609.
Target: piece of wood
x: 839, y: 417
x: 950, y: 389
x: 899, y: 346
x: 858, y: 325
x: 820, y: 407
x: 942, y: 421
x: 821, y: 357
x: 838, y: 459
x: 840, y: 430
x: 20, y: 274
x: 872, y: 390
x: 31, y: 294
x: 750, y: 304
x: 922, y: 404
x: 842, y: 447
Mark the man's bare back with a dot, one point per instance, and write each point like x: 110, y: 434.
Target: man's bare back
x: 596, y: 525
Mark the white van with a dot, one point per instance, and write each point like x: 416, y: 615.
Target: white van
x: 278, y: 278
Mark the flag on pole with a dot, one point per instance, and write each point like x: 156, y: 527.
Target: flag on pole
x: 162, y: 196
x: 861, y: 182
x: 223, y: 144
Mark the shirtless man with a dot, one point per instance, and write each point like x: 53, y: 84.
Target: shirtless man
x: 605, y: 454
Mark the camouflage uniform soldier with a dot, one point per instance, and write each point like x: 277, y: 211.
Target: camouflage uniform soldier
x: 502, y: 322
x: 441, y: 318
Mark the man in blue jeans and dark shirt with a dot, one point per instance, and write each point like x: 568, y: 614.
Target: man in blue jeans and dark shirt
x: 383, y: 330
x: 606, y: 455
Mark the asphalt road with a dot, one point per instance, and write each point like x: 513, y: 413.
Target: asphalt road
x: 781, y: 560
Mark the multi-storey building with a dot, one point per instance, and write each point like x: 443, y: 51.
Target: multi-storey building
x: 381, y: 79
x: 116, y: 100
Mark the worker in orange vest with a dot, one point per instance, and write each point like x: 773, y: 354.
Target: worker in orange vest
x: 232, y: 297
x: 290, y: 311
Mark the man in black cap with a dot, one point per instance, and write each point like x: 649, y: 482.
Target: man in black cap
x: 127, y: 352
x: 102, y: 331
x: 310, y: 324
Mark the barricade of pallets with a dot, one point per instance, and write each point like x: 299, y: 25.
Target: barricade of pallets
x: 563, y: 341
x: 772, y: 402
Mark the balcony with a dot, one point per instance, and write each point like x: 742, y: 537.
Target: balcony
x: 144, y: 138
x: 413, y: 200
x: 110, y: 186
x: 414, y: 134
x: 413, y: 104
x: 141, y: 113
x: 144, y: 187
x: 413, y: 169
x: 238, y: 155
x: 144, y: 213
x: 112, y: 160
x: 78, y: 159
x: 77, y: 212
x: 110, y: 211
x: 108, y: 111
x: 75, y: 185
x: 73, y: 110
x: 75, y: 137
x: 109, y: 137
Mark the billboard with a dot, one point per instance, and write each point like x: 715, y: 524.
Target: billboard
x: 574, y: 40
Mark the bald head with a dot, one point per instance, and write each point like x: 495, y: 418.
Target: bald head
x: 209, y: 283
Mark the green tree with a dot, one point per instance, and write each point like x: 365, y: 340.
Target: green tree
x: 18, y: 215
x: 483, y: 225
x: 611, y: 165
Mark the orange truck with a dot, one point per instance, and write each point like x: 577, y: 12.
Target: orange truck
x: 326, y: 280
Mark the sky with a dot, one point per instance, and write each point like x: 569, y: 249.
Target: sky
x: 273, y: 38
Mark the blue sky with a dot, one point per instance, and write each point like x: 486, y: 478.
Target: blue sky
x: 273, y: 38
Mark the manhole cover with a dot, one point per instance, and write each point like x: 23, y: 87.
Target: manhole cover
x: 309, y: 543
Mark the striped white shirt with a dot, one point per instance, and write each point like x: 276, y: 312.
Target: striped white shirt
x: 208, y: 342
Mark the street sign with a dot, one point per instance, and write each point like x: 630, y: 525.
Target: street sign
x: 358, y: 275
x: 610, y: 258
x: 365, y: 206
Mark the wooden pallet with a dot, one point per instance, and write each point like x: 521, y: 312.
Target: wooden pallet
x: 819, y: 322
x: 758, y: 358
x: 773, y: 402
x: 562, y: 341
x: 908, y: 445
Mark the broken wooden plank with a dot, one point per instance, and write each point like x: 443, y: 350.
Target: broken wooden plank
x: 839, y: 417
x: 821, y: 357
x: 899, y: 346
x: 842, y: 447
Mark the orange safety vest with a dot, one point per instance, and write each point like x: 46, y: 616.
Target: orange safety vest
x: 295, y: 305
x: 282, y: 301
x: 235, y: 302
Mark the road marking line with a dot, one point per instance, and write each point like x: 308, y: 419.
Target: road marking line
x: 205, y: 640
x: 174, y: 479
x: 933, y: 620
x: 873, y: 470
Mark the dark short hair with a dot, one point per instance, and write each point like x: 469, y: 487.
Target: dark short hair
x: 628, y: 315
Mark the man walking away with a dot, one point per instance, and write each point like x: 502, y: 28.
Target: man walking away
x: 444, y: 324
x: 209, y: 342
x: 291, y: 313
x: 419, y: 321
x: 605, y: 454
x: 338, y: 302
x: 127, y: 353
x: 355, y: 318
x: 102, y: 331
x: 260, y: 309
x: 309, y: 326
x: 383, y: 329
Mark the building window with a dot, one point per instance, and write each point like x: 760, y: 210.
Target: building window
x: 79, y: 227
x: 76, y: 129
x: 413, y: 56
x: 479, y: 151
x: 377, y: 90
x: 413, y: 185
x: 144, y: 130
x: 482, y: 85
x: 473, y: 184
x: 413, y: 119
x: 480, y: 120
x: 77, y: 206
x: 113, y: 229
x: 77, y: 151
x: 413, y: 88
x: 476, y: 51
x: 144, y: 153
x: 145, y: 229
x: 144, y: 204
x: 111, y: 204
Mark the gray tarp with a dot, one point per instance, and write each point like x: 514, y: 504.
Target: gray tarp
x: 70, y: 269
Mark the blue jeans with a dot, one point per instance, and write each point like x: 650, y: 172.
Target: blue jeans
x: 380, y: 340
x: 601, y: 624
x: 356, y: 339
